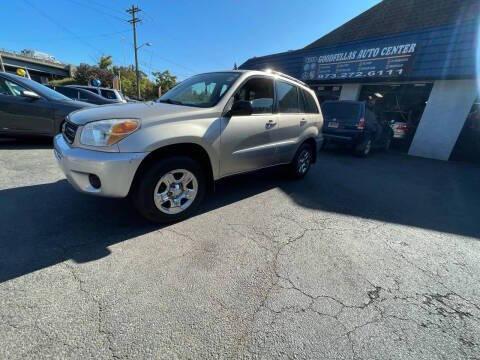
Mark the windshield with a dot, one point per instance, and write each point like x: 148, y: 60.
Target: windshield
x: 341, y: 110
x: 45, y: 91
x: 42, y: 90
x: 204, y: 90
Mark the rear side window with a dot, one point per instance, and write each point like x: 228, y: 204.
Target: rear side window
x: 71, y: 93
x: 108, y: 94
x: 259, y: 92
x: 341, y: 110
x: 287, y: 96
x: 95, y: 91
x: 309, y: 103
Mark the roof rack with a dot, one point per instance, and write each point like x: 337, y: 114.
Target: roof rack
x: 286, y: 76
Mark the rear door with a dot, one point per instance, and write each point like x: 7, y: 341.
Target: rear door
x: 291, y: 118
x: 20, y: 114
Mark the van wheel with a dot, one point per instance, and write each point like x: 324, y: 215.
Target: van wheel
x: 170, y: 190
x: 363, y: 149
x: 302, y: 161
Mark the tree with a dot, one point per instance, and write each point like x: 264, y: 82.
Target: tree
x: 105, y: 62
x: 85, y: 73
x: 164, y: 80
x: 105, y: 71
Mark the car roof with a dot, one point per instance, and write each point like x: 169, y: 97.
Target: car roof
x: 90, y: 87
x: 268, y: 72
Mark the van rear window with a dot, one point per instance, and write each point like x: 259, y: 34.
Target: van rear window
x: 341, y: 110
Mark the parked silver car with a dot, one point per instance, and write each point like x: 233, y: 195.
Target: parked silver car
x: 167, y: 154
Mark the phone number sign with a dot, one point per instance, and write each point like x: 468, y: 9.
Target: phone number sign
x: 387, y: 61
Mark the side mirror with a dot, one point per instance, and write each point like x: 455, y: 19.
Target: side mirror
x: 30, y: 94
x: 241, y: 108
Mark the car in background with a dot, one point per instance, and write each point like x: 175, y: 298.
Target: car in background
x: 82, y: 95
x: 400, y: 124
x: 111, y: 94
x: 30, y: 108
x: 354, y: 124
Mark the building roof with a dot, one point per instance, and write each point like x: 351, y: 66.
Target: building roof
x: 396, y: 16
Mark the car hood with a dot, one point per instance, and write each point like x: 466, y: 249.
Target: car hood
x: 146, y: 111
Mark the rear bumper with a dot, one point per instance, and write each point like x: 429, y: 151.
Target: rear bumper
x: 347, y: 137
x: 115, y: 170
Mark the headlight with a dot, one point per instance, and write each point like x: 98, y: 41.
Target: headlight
x: 107, y: 132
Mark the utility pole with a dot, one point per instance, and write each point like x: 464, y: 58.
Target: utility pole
x: 133, y: 11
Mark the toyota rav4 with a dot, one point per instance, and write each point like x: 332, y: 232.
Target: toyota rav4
x: 167, y: 154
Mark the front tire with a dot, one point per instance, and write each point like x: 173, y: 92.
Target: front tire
x: 302, y: 161
x: 170, y: 190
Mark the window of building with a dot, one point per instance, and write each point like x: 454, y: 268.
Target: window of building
x: 325, y: 93
x: 287, y: 98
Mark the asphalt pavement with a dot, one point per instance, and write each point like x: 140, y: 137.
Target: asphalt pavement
x: 373, y: 258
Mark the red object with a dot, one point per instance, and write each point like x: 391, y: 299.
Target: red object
x: 361, y: 124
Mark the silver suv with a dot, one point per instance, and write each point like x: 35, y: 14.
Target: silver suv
x: 167, y: 154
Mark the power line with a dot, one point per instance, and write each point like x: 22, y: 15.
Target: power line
x: 64, y: 28
x: 101, y: 9
x: 89, y: 36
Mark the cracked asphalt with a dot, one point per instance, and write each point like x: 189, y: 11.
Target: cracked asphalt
x: 364, y: 259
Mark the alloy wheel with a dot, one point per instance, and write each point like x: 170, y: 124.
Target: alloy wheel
x: 175, y: 191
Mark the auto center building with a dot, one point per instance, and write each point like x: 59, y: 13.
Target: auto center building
x: 415, y: 61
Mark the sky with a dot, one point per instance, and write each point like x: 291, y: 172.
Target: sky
x: 186, y: 36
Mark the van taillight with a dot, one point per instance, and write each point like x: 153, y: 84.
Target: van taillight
x: 361, y: 124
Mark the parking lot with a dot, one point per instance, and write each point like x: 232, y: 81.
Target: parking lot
x: 365, y: 258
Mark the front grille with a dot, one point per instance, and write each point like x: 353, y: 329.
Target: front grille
x: 69, y: 131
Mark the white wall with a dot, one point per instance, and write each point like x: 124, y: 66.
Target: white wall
x: 442, y: 121
x: 350, y: 91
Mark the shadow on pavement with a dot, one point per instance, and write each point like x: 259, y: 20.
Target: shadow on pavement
x: 25, y: 143
x: 45, y: 224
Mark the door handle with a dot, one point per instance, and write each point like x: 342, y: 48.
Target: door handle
x: 303, y: 122
x: 270, y: 124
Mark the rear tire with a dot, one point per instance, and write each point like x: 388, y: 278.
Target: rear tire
x: 388, y: 143
x: 170, y: 190
x: 364, y: 148
x: 302, y: 161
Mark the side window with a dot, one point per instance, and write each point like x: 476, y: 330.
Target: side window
x: 95, y: 91
x: 85, y: 96
x: 108, y: 94
x: 4, y: 90
x: 309, y: 103
x: 71, y: 93
x: 259, y: 91
x: 287, y: 98
x: 10, y: 88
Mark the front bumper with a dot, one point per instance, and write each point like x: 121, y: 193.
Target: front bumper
x: 115, y: 170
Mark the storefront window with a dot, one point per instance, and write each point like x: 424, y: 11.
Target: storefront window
x: 467, y: 147
x: 401, y: 105
x: 325, y: 93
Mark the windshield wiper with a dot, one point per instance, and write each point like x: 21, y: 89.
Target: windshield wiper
x: 170, y: 101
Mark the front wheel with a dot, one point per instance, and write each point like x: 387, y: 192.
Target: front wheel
x: 170, y: 190
x: 301, y: 163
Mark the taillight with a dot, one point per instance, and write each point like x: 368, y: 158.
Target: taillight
x: 402, y: 127
x: 361, y: 124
